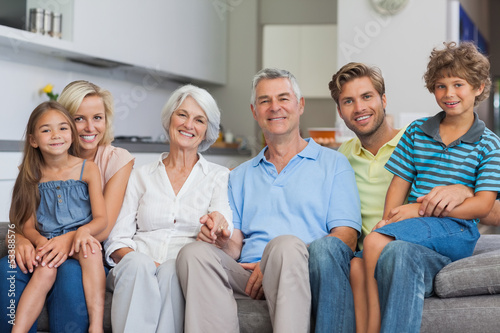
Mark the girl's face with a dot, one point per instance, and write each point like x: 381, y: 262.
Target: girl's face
x: 188, y: 125
x: 52, y: 134
x: 90, y: 120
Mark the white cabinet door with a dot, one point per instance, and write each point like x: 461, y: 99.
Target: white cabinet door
x: 308, y: 51
x: 184, y: 38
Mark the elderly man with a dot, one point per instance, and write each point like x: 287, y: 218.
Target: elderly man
x: 291, y: 194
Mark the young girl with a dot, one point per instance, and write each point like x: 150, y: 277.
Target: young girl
x: 57, y: 200
x: 452, y: 147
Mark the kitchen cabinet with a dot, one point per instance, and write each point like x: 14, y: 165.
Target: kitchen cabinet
x: 183, y: 40
x: 309, y: 52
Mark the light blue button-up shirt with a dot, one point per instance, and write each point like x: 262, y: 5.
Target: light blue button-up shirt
x: 313, y: 194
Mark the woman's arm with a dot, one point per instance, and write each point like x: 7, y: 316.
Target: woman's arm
x: 232, y: 246
x: 85, y: 234
x: 220, y: 201
x: 120, y: 237
x: 114, y: 192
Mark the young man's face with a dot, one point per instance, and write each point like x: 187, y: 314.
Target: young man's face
x: 361, y: 107
x: 455, y: 95
x: 276, y: 107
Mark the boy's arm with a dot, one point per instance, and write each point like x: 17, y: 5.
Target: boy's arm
x: 493, y: 217
x: 394, y: 210
x: 476, y: 207
x: 396, y: 195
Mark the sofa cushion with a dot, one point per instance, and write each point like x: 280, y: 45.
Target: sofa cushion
x: 461, y: 314
x: 475, y: 275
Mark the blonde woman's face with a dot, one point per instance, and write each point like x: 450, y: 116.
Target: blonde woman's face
x: 90, y: 119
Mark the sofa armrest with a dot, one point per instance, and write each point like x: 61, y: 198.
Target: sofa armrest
x: 475, y: 275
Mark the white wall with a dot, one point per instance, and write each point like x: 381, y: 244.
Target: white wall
x: 399, y: 45
x: 139, y: 98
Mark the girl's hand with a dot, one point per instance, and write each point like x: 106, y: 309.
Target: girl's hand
x: 55, y: 251
x: 84, y: 239
x: 24, y: 255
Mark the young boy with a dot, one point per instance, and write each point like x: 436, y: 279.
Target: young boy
x: 453, y: 147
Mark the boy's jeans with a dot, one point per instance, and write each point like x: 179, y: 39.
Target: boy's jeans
x: 405, y: 274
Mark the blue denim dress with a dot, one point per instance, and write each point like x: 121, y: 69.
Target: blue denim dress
x: 64, y: 206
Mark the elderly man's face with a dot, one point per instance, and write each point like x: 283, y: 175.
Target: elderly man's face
x: 277, y: 109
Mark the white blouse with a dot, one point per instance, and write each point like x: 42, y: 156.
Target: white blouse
x: 156, y: 222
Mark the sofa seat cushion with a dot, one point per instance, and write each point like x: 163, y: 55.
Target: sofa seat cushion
x: 461, y: 314
x: 475, y: 275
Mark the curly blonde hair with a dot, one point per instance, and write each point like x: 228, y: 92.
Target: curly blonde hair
x: 463, y: 61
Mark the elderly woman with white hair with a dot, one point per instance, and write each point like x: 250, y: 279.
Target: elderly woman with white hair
x: 165, y: 206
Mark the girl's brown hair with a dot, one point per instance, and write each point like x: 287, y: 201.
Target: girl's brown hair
x: 25, y: 195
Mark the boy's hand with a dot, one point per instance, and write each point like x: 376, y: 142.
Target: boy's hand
x: 55, y: 251
x: 403, y: 212
x: 83, y: 240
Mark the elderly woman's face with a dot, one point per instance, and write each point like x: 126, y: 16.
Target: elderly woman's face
x: 188, y: 125
x: 90, y: 119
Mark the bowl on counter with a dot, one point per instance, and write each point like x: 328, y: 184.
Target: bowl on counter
x: 323, y: 135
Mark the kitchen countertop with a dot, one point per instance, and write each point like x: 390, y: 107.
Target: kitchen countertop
x: 141, y: 147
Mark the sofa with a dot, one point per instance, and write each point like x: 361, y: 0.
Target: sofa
x: 467, y: 296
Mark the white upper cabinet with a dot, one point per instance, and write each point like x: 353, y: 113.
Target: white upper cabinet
x: 179, y: 39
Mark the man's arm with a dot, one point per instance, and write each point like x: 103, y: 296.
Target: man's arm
x: 346, y: 234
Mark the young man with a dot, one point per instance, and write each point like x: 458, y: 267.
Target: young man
x: 359, y: 93
x: 291, y: 194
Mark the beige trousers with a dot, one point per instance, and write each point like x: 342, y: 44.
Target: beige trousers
x: 212, y: 281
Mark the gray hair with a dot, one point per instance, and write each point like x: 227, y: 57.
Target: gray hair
x: 274, y: 73
x: 205, y: 101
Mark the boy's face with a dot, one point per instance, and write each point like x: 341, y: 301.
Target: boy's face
x: 455, y: 95
x: 361, y: 107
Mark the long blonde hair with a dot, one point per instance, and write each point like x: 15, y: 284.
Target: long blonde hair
x: 25, y: 195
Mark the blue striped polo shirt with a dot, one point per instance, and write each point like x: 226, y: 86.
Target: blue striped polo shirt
x: 422, y: 159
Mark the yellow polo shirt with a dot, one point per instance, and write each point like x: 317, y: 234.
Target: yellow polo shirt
x: 372, y: 179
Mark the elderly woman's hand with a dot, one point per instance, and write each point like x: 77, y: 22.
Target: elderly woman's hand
x: 214, y: 229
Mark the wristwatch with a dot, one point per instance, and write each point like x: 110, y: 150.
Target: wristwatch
x: 389, y: 7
